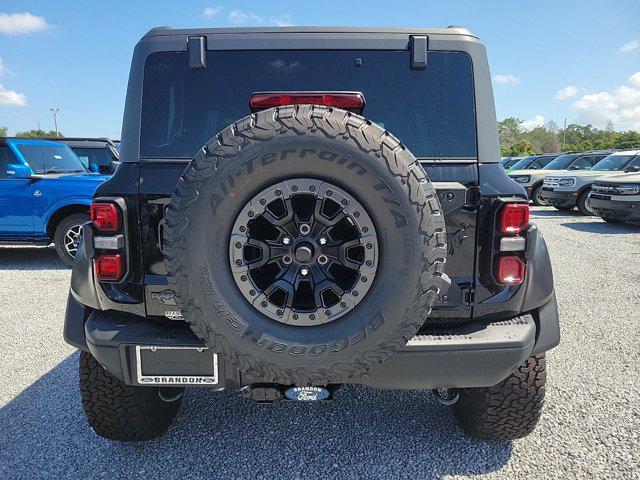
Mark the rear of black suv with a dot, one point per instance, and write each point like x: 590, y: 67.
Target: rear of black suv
x: 299, y: 209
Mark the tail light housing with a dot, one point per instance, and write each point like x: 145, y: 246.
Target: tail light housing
x: 105, y: 216
x: 510, y: 269
x: 108, y: 267
x: 353, y: 101
x: 510, y: 242
x: 514, y: 218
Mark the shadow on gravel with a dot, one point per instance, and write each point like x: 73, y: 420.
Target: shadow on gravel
x: 600, y: 226
x: 363, y: 433
x: 30, y: 258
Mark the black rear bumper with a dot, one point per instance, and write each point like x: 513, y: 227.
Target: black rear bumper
x: 475, y: 354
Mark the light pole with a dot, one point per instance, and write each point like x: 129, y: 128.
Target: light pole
x: 55, y: 111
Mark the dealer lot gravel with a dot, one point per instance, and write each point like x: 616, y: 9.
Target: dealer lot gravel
x: 589, y: 428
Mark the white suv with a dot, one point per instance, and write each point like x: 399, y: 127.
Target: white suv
x: 568, y: 190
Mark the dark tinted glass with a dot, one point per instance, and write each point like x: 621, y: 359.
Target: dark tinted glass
x: 561, y: 162
x: 97, y: 156
x: 432, y: 111
x: 613, y: 162
x: 6, y: 158
x: 51, y: 159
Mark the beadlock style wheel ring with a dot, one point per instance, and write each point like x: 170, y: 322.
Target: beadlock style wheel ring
x: 303, y: 252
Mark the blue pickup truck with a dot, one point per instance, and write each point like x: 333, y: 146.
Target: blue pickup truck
x: 45, y: 193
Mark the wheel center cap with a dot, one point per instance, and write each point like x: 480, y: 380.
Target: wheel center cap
x: 304, y: 252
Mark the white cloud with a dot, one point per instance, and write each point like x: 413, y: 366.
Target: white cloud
x: 282, y: 21
x: 620, y: 104
x: 505, y: 79
x: 11, y: 98
x: 536, y: 121
x: 3, y: 69
x: 210, y: 12
x: 630, y: 46
x: 239, y: 17
x: 22, y: 23
x: 566, y: 92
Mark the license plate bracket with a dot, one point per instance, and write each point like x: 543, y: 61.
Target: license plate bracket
x: 176, y: 366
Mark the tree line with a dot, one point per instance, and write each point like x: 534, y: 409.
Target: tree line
x: 37, y: 133
x: 549, y: 138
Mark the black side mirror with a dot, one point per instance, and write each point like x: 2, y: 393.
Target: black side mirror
x: 633, y: 168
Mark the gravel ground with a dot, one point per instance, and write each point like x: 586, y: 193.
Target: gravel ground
x: 590, y: 426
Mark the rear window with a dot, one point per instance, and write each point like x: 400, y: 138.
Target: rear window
x: 431, y: 111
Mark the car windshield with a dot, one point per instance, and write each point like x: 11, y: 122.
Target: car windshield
x: 613, y: 162
x: 51, y: 158
x: 540, y: 162
x: 505, y: 160
x: 561, y: 162
x: 432, y: 111
x: 512, y: 162
x: 523, y: 163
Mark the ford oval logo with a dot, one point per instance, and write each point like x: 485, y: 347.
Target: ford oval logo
x: 306, y: 394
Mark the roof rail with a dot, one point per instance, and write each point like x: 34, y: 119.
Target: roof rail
x: 84, y: 139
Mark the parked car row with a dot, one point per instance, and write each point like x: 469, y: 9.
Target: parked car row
x: 46, y: 187
x: 599, y: 182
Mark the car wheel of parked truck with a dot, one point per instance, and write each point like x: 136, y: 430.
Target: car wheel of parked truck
x: 67, y: 235
x: 349, y: 225
x: 582, y: 204
x: 508, y: 410
x: 122, y: 412
x: 329, y: 254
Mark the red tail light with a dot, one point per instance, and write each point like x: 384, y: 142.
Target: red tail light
x: 514, y: 218
x: 105, y: 216
x: 510, y: 269
x: 108, y: 267
x: 344, y: 100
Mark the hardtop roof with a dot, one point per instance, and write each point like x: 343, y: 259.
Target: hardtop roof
x: 450, y: 30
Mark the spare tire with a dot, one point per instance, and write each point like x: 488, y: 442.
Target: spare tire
x: 305, y: 245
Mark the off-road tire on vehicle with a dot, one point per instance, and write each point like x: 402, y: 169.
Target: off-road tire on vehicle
x: 508, y: 410
x: 318, y: 143
x: 60, y: 239
x: 535, y: 196
x: 581, y: 203
x: 120, y: 412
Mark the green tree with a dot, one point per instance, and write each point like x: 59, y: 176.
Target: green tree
x: 629, y: 139
x: 37, y: 133
x: 508, y: 133
x: 3, y: 131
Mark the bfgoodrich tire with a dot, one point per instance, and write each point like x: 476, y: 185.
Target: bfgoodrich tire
x: 508, y: 410
x: 121, y: 412
x: 315, y: 149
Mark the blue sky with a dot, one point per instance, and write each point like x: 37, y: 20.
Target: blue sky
x: 549, y: 59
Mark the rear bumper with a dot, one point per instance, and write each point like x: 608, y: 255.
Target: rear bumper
x: 558, y: 199
x: 624, y: 211
x: 475, y: 354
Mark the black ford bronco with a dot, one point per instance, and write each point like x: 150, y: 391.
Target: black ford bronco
x: 302, y: 208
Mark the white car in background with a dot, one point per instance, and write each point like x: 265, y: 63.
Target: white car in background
x: 568, y: 190
x: 531, y: 179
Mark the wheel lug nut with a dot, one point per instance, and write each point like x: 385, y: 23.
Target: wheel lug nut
x: 287, y: 259
x: 286, y: 240
x: 322, y: 240
x: 305, y: 229
x: 322, y: 259
x: 304, y: 271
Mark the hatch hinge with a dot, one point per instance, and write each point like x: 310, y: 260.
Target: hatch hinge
x: 418, y: 46
x: 197, y: 47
